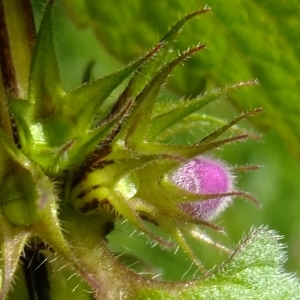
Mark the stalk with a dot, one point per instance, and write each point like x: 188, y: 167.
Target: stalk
x: 17, y: 38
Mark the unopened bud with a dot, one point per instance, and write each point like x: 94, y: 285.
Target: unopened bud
x: 204, y: 176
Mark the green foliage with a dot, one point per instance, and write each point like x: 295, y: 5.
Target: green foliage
x: 245, y: 40
x: 248, y: 274
x: 78, y: 162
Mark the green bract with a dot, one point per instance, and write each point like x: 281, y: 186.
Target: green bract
x: 75, y: 167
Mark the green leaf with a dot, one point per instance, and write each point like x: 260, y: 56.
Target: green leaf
x: 134, y: 131
x: 26, y: 193
x: 254, y: 271
x: 88, y: 145
x: 12, y: 242
x: 45, y: 90
x: 224, y: 128
x: 184, y: 108
x: 22, y: 110
x: 245, y: 40
x: 83, y: 103
x: 149, y: 70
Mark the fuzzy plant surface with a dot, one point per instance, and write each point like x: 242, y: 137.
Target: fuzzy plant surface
x: 73, y: 164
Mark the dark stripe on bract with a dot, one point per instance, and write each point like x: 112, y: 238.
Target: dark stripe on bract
x: 83, y: 193
x: 96, y: 203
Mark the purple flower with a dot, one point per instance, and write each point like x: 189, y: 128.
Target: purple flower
x: 204, y: 175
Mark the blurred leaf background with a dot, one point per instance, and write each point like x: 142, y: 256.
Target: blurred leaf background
x: 245, y: 40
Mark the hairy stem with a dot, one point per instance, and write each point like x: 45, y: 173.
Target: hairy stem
x: 17, y: 37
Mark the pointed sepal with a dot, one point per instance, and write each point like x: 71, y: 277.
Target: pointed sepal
x: 45, y: 89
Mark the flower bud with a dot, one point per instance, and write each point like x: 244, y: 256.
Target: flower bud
x: 204, y: 176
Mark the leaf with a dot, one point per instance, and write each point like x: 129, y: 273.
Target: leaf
x: 220, y: 131
x: 83, y: 103
x: 12, y: 240
x: 185, y: 108
x: 254, y: 271
x: 141, y: 78
x: 45, y: 90
x: 145, y: 102
x: 246, y: 40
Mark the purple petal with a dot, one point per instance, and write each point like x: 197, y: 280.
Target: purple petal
x: 204, y: 175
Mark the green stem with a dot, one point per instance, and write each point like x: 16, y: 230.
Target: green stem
x: 17, y: 37
x: 4, y: 113
x: 108, y: 278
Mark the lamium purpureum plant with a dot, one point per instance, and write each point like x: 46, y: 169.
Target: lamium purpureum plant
x: 71, y: 165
